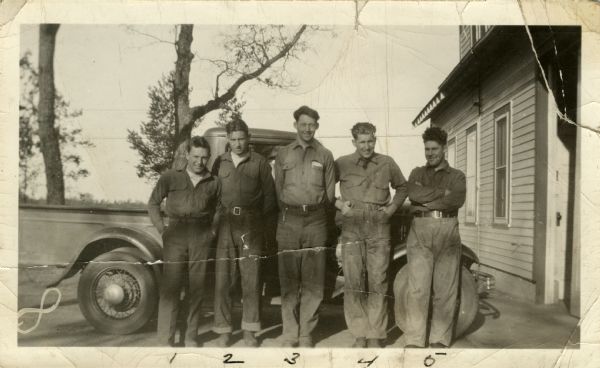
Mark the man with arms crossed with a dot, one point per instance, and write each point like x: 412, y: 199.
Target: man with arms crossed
x: 192, y: 195
x: 305, y: 184
x: 365, y: 178
x: 247, y: 197
x: 436, y: 192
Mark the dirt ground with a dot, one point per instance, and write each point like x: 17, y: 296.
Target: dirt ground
x: 502, y: 322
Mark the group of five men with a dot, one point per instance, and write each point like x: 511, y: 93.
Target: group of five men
x: 231, y: 202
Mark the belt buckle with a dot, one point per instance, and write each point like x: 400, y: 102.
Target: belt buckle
x: 304, y: 208
x: 237, y: 211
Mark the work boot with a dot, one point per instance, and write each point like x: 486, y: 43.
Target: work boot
x: 250, y: 340
x: 224, y: 340
x: 360, y: 342
x: 374, y: 343
x: 306, y: 342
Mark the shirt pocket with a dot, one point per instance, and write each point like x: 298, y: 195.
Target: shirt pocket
x: 288, y: 173
x: 316, y: 173
x: 381, y: 184
x: 249, y: 180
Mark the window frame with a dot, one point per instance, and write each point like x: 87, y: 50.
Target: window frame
x: 451, y: 141
x: 504, y: 112
x: 475, y: 217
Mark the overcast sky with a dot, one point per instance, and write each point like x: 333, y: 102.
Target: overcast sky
x: 384, y: 75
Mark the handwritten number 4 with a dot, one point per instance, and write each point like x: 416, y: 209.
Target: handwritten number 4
x: 293, y: 360
x: 229, y: 361
x: 367, y: 362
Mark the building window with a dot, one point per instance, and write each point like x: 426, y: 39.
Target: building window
x: 471, y: 175
x: 451, y: 152
x: 502, y: 127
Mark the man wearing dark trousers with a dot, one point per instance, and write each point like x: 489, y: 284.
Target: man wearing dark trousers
x: 247, y: 197
x: 436, y: 192
x: 305, y: 184
x: 191, y: 199
x: 365, y: 178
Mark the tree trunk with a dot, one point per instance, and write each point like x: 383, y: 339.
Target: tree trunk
x: 183, y: 115
x: 49, y: 144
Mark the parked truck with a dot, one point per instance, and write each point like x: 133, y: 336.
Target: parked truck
x: 118, y: 253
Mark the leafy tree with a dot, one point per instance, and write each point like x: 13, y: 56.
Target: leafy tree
x: 156, y: 141
x: 68, y: 138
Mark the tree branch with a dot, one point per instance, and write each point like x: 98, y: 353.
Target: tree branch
x: 199, y: 111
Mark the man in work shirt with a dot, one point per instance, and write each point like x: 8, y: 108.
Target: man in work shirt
x: 192, y: 195
x: 305, y: 184
x: 436, y: 192
x: 365, y: 178
x: 247, y: 197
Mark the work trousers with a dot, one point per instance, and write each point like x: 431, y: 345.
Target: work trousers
x: 365, y: 243
x: 434, y: 251
x: 186, y: 250
x: 301, y: 241
x: 238, y: 255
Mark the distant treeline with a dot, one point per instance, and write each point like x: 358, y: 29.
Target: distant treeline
x: 86, y: 201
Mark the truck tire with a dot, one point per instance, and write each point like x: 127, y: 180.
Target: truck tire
x: 469, y: 300
x: 117, y: 293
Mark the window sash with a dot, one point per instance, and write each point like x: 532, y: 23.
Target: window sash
x: 501, y: 165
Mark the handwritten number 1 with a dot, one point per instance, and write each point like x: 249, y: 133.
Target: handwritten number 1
x: 229, y: 361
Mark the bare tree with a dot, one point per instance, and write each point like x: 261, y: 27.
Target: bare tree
x: 49, y: 135
x: 254, y: 53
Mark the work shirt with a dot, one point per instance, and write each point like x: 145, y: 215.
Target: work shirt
x: 305, y: 176
x: 184, y: 199
x: 368, y: 180
x: 250, y: 184
x: 434, y: 182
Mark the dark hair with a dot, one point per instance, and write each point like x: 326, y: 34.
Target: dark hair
x: 236, y: 125
x: 436, y: 134
x: 198, y: 142
x: 363, y: 128
x: 305, y: 110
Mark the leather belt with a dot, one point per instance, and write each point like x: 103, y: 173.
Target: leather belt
x: 305, y: 208
x: 190, y: 220
x: 434, y: 214
x: 241, y: 210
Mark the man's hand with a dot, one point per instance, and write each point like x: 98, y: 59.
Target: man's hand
x: 346, y: 208
x: 161, y: 229
x: 389, y: 210
x: 213, y: 234
x: 338, y: 254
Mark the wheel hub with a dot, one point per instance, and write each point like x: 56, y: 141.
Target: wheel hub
x: 117, y: 293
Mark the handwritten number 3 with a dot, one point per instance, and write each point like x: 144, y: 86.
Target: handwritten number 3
x: 293, y: 360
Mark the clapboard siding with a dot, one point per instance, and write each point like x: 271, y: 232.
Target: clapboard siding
x: 505, y: 247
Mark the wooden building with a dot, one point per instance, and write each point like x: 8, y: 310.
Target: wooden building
x: 510, y: 108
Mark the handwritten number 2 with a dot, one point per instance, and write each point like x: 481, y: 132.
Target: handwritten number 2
x: 293, y: 360
x: 229, y: 361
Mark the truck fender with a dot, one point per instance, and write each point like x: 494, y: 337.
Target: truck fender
x: 109, y: 239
